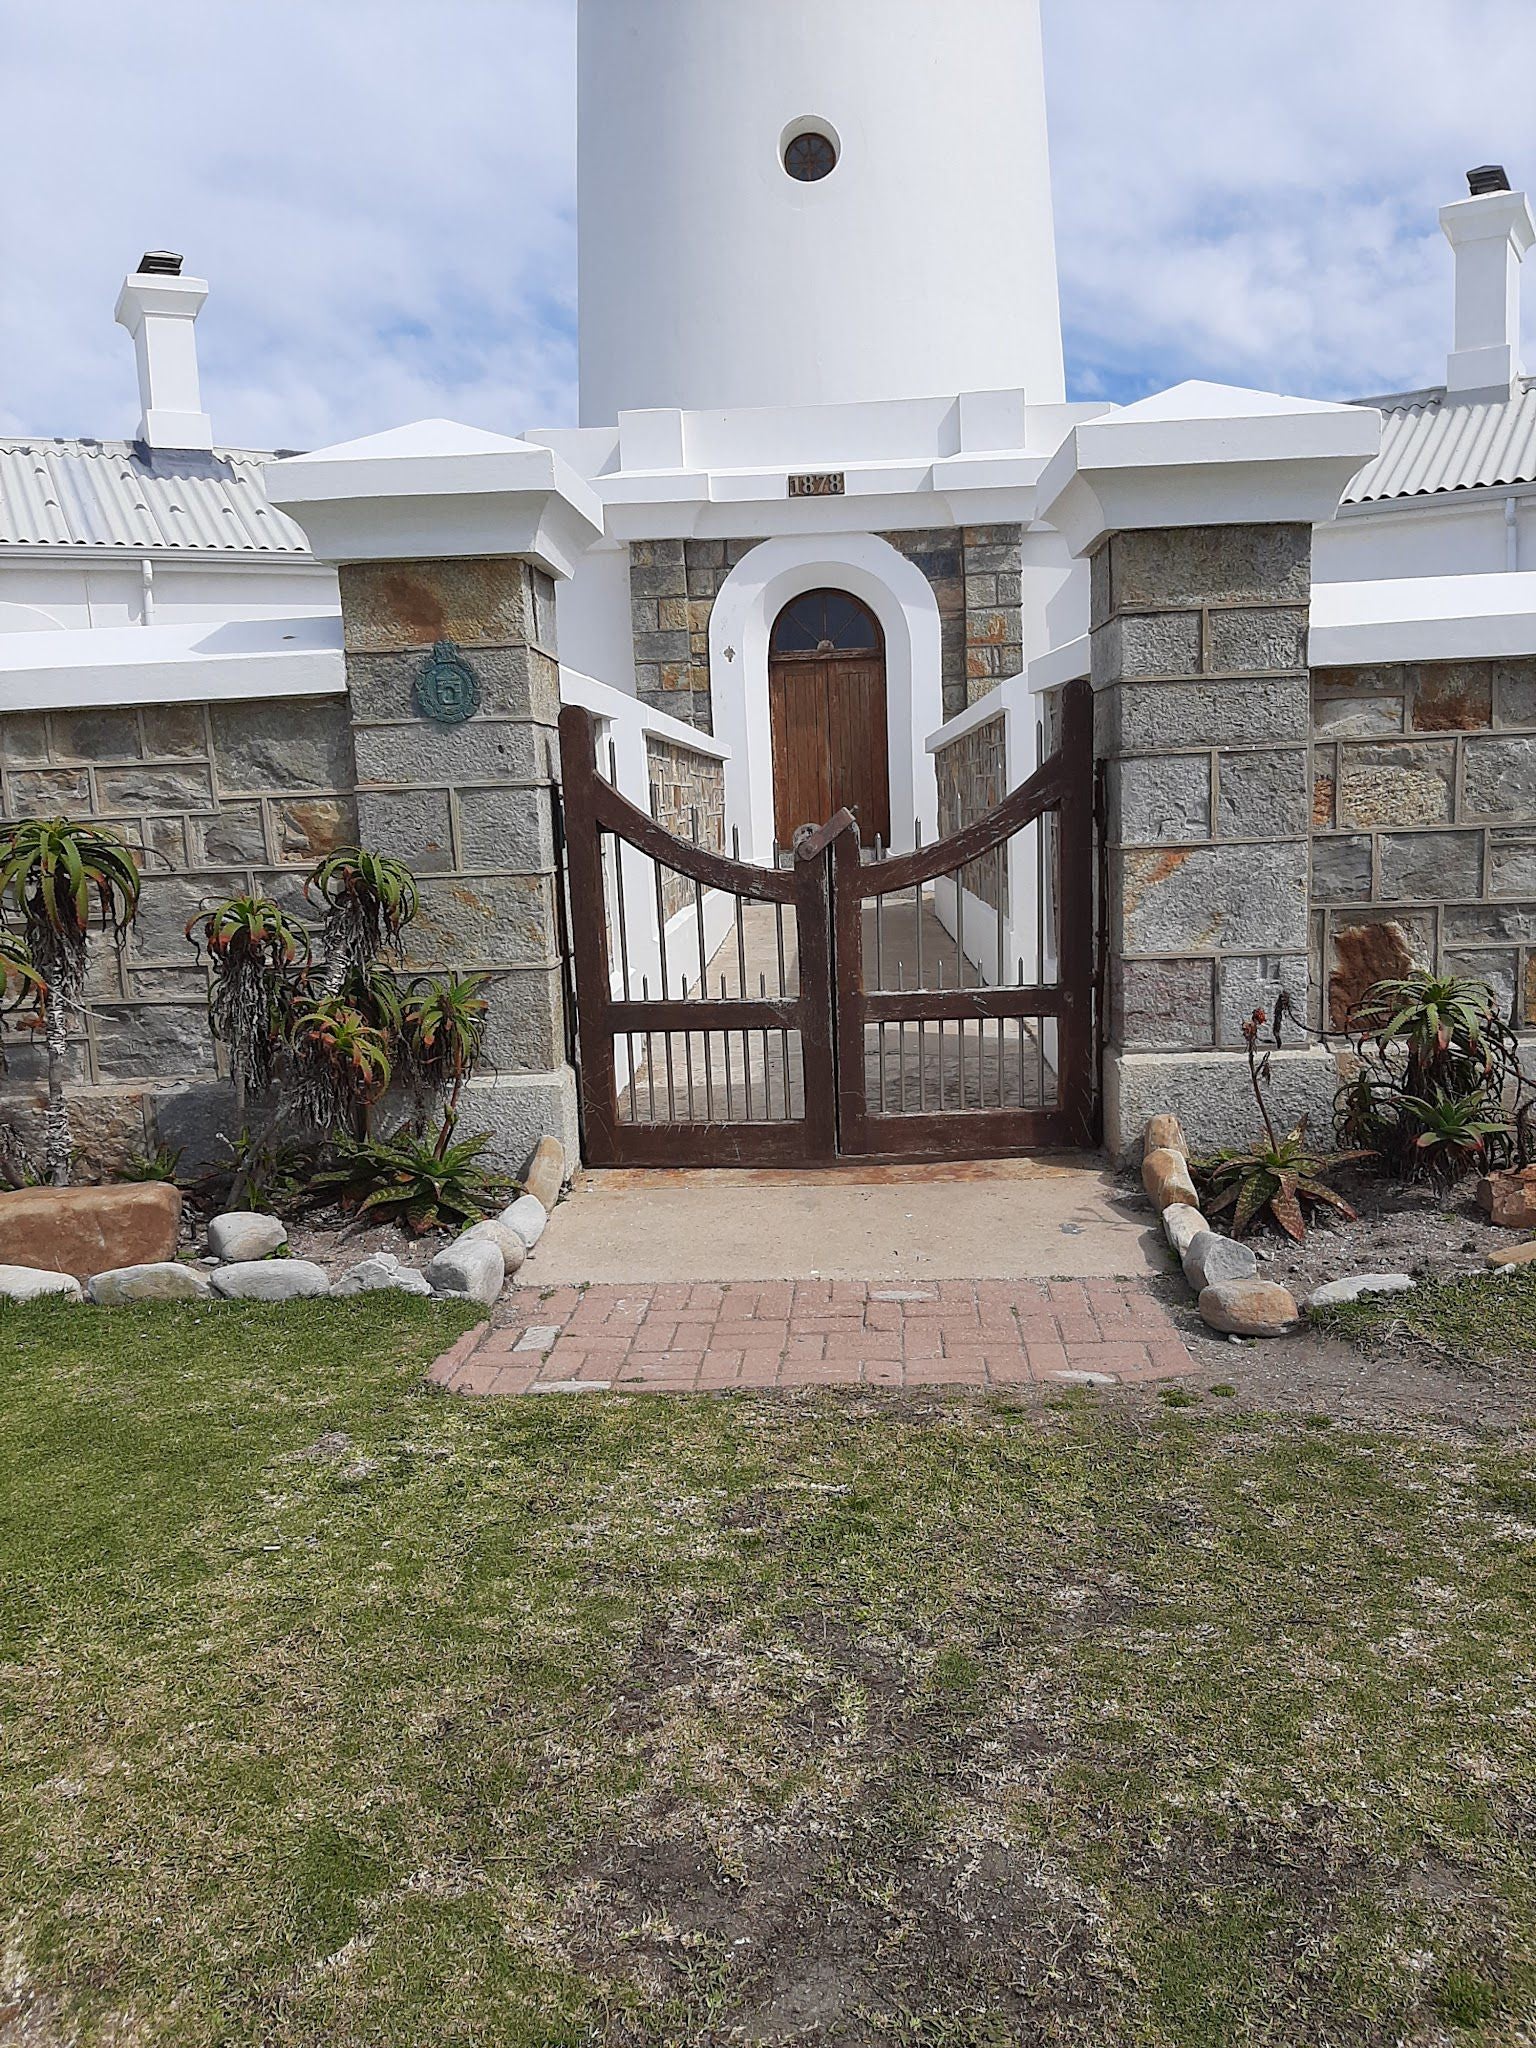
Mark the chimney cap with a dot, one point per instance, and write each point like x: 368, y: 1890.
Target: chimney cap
x: 1487, y: 178
x: 159, y: 263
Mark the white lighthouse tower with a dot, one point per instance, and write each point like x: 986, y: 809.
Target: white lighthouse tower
x: 821, y: 371
x: 809, y: 202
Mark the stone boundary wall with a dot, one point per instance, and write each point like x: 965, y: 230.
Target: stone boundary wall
x: 469, y: 808
x: 687, y: 790
x: 976, y: 573
x: 1200, y: 663
x: 1424, y: 828
x: 972, y: 774
x: 216, y: 800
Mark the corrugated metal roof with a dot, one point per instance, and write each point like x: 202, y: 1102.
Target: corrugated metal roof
x: 124, y: 495
x: 1430, y: 443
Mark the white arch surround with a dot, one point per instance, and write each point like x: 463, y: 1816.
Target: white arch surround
x: 751, y: 598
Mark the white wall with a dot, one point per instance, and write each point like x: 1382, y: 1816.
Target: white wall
x: 108, y: 590
x: 709, y: 277
x: 592, y: 615
x: 1464, y: 534
x: 751, y: 598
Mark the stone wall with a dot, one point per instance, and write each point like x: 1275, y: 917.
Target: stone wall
x: 216, y: 800
x: 469, y: 807
x: 1203, y: 717
x: 1424, y: 828
x: 688, y: 798
x: 977, y: 578
x: 972, y: 774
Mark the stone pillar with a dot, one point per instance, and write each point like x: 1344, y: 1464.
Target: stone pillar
x: 1198, y: 525
x: 447, y: 544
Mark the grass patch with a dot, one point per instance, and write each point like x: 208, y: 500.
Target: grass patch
x: 1478, y: 1320
x: 337, y: 1710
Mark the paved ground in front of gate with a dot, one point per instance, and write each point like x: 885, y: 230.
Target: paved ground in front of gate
x: 1050, y: 1217
x: 682, y: 1337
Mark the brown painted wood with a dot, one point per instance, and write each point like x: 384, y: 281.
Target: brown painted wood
x: 828, y: 885
x: 1063, y: 784
x: 859, y: 776
x: 797, y: 718
x: 592, y: 806
x: 830, y: 747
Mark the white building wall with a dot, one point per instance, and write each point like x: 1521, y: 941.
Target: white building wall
x: 1460, y: 535
x: 924, y: 263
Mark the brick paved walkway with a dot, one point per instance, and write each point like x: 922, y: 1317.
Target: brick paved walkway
x: 816, y: 1333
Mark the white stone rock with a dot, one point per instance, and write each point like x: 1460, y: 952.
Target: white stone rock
x: 469, y: 1267
x: 1209, y: 1259
x: 1353, y: 1285
x: 242, y: 1234
x: 527, y: 1216
x: 382, y: 1272
x: 166, y: 1280
x: 506, y: 1240
x: 1181, y: 1225
x: 270, y: 1280
x: 31, y: 1283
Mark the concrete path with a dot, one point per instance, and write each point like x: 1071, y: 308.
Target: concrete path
x: 780, y: 1336
x: 1007, y: 1219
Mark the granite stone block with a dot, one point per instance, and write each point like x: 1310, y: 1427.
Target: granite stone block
x: 1256, y: 642
x: 1263, y: 794
x: 1198, y: 899
x: 1160, y: 799
x: 1420, y: 867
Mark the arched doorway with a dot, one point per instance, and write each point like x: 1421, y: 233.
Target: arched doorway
x: 826, y: 708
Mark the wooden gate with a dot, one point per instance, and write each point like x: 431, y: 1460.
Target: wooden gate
x: 934, y: 1004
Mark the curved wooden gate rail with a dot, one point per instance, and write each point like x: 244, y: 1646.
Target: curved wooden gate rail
x: 901, y: 1023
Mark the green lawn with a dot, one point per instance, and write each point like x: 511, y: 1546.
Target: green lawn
x: 335, y: 1710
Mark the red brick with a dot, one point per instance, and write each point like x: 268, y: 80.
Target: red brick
x: 1067, y: 1294
x: 806, y: 1348
x: 513, y: 1379
x: 1107, y: 1357
x: 655, y: 1336
x: 738, y: 1334
x: 1046, y: 1358
x: 1010, y: 1368
x: 1168, y: 1355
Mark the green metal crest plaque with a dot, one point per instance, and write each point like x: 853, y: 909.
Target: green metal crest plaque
x: 446, y: 688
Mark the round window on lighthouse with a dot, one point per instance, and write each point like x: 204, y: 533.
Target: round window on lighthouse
x: 809, y: 151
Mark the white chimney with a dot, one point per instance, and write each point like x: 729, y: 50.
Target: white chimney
x: 158, y: 305
x: 1490, y: 234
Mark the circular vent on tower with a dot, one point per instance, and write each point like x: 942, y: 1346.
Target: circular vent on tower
x: 809, y: 150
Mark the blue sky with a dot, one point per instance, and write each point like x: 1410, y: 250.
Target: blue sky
x: 381, y: 195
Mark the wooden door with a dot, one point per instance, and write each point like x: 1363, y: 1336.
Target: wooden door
x: 827, y: 714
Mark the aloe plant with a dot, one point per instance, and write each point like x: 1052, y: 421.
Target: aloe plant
x: 256, y: 955
x: 444, y: 1034
x: 60, y: 877
x: 368, y: 899
x: 342, y: 1066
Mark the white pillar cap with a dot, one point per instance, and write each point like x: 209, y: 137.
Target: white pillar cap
x: 437, y: 489
x: 1205, y: 455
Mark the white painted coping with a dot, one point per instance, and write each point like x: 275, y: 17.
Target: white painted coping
x: 1423, y: 618
x: 172, y: 664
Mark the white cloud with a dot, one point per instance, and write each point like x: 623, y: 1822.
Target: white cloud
x: 1248, y: 189
x: 381, y: 193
